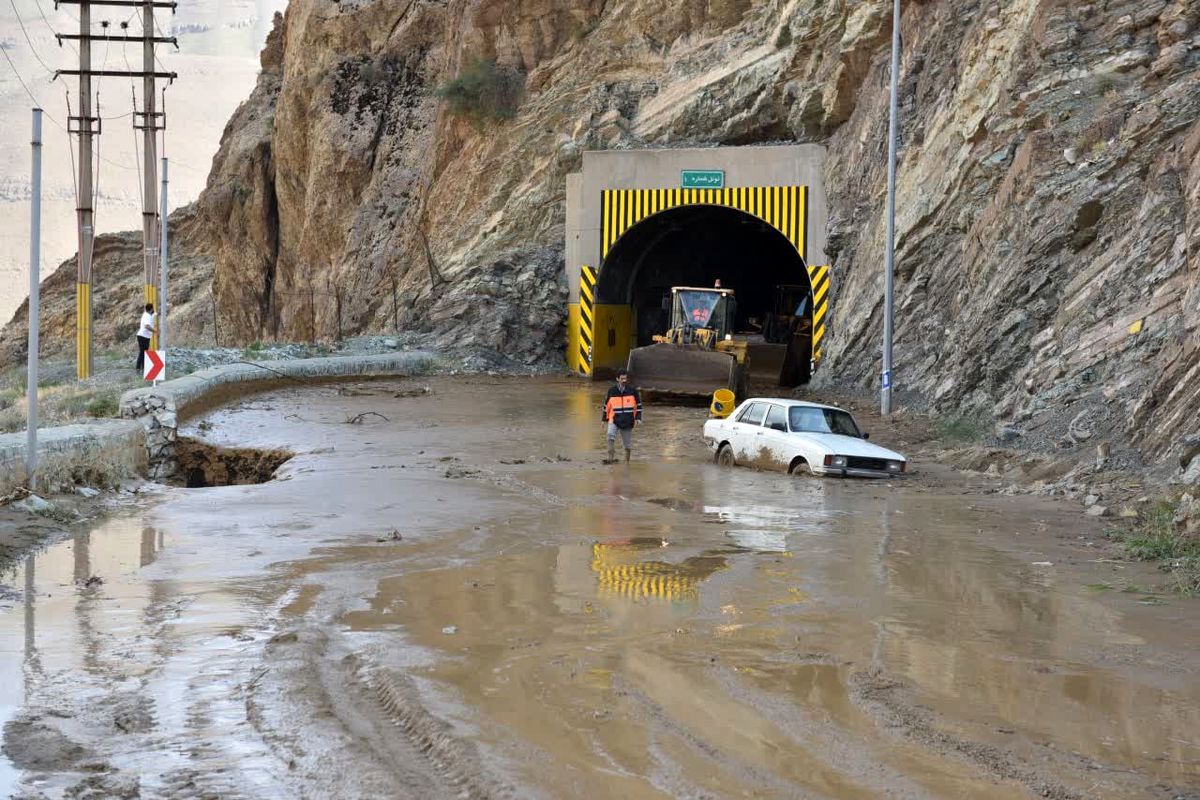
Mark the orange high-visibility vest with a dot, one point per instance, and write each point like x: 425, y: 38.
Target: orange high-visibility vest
x: 620, y: 404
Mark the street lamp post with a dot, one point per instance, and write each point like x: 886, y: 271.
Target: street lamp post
x: 35, y: 278
x: 889, y: 258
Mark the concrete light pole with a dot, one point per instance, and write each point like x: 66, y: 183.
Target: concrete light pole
x: 889, y: 259
x: 162, y: 268
x: 35, y: 262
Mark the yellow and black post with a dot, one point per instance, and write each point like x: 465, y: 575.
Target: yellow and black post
x: 587, y: 318
x: 819, y: 277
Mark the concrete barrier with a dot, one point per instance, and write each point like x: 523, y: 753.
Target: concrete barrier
x: 94, y: 453
x: 161, y: 409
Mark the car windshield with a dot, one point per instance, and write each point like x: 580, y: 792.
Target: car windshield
x: 807, y: 419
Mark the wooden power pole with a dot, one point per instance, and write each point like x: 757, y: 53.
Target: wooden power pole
x: 87, y: 126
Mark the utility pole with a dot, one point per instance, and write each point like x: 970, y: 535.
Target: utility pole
x: 162, y: 268
x: 150, y: 126
x: 35, y: 277
x: 88, y: 126
x: 889, y: 259
x: 85, y: 125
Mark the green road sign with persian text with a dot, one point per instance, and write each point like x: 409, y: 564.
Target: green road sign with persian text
x: 703, y: 179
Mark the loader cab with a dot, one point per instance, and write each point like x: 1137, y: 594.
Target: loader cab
x: 712, y: 309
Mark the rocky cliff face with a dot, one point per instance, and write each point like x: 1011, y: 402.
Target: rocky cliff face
x: 1049, y: 215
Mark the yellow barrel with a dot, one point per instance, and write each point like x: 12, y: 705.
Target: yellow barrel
x: 723, y: 403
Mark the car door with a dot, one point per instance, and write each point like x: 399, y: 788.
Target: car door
x: 775, y: 437
x: 747, y: 432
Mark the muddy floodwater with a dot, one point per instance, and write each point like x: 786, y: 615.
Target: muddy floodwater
x: 445, y: 594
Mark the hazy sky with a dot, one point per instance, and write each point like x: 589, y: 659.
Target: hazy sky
x: 217, y: 62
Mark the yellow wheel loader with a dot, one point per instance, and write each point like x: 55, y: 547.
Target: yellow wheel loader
x: 698, y: 354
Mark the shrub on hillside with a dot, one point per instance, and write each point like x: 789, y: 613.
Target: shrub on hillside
x: 484, y: 92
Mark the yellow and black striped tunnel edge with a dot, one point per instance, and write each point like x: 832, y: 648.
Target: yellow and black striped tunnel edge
x: 784, y: 208
x: 587, y: 317
x: 819, y: 279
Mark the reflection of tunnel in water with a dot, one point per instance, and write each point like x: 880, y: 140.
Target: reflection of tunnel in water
x: 620, y: 570
x: 695, y: 246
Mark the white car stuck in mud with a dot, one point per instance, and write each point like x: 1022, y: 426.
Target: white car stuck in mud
x: 798, y: 437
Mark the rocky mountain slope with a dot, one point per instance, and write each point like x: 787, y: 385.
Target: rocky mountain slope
x: 1049, y: 215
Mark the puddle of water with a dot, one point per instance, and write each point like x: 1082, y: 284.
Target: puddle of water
x: 45, y: 627
x: 559, y: 641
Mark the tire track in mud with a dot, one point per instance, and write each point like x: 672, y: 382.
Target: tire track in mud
x: 882, y: 699
x: 448, y: 756
x: 655, y: 717
x: 827, y: 740
x: 352, y: 710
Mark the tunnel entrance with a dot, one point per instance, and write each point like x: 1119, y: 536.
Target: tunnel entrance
x: 697, y: 245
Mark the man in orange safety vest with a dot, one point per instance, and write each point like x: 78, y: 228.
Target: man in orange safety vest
x: 622, y: 411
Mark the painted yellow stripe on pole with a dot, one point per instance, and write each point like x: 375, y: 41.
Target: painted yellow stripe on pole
x: 151, y: 293
x: 83, y: 330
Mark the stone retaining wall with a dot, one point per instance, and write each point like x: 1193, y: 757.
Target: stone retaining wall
x: 93, y: 453
x: 160, y: 409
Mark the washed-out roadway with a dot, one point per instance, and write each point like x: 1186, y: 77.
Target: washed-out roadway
x: 451, y: 596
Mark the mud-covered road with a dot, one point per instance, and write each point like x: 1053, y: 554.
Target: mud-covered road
x: 452, y: 597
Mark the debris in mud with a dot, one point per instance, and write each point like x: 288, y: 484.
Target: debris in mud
x: 394, y: 536
x: 33, y: 745
x: 512, y: 461
x: 91, y: 582
x: 108, y: 786
x: 33, y: 504
x: 203, y: 465
x: 673, y: 503
x: 20, y: 493
x: 450, y: 630
x: 460, y: 472
x: 420, y: 391
x: 358, y: 419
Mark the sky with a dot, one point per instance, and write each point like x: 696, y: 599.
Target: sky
x: 217, y: 62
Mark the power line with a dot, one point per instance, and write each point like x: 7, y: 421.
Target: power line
x: 29, y: 41
x: 42, y: 14
x: 24, y: 86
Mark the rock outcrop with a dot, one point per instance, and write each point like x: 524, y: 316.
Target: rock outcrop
x: 1049, y: 215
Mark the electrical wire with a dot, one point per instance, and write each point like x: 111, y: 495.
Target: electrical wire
x: 25, y: 86
x: 137, y: 159
x: 96, y: 168
x: 71, y: 148
x: 42, y: 14
x: 29, y: 41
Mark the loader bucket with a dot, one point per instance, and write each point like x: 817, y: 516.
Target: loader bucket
x: 682, y: 370
x: 766, y: 362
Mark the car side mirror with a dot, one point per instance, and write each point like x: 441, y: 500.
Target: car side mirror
x: 866, y: 435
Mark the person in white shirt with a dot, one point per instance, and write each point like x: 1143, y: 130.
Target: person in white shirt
x: 145, y: 330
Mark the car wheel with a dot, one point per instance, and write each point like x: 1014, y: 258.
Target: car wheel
x: 799, y: 467
x: 725, y: 456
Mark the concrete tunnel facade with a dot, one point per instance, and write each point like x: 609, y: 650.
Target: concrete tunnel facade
x: 641, y: 221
